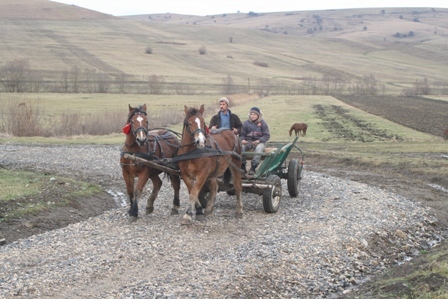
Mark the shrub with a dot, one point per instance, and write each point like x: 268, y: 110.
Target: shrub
x: 148, y: 50
x: 262, y: 64
x: 202, y: 50
x: 22, y: 120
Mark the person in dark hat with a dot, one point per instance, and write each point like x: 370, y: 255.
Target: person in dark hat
x: 254, y: 135
x: 225, y: 118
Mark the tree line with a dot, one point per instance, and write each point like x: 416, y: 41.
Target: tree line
x: 18, y: 76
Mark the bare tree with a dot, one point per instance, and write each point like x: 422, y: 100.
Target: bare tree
x: 422, y: 87
x: 263, y: 86
x: 65, y: 81
x: 103, y: 82
x: 89, y: 79
x: 155, y: 84
x: 366, y: 85
x: 228, y: 87
x: 75, y: 75
x: 120, y: 82
x: 15, y: 74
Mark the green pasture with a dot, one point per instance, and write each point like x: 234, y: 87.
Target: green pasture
x: 279, y: 111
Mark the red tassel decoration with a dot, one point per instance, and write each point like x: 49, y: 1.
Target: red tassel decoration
x: 126, y: 129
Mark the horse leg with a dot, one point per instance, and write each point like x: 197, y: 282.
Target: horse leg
x: 175, y: 183
x: 213, y: 186
x: 156, y: 185
x: 129, y: 180
x: 141, y: 182
x: 193, y: 189
x: 199, y: 212
x: 238, y: 190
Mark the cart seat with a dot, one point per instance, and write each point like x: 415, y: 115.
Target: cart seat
x: 250, y: 154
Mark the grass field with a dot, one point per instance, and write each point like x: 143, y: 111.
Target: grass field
x: 328, y: 119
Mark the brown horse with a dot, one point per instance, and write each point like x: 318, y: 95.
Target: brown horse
x: 209, y: 156
x: 149, y: 145
x: 297, y: 128
x: 445, y: 134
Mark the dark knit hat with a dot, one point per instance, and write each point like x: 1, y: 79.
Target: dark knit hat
x: 255, y: 110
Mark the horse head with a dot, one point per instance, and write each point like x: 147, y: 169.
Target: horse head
x: 138, y: 121
x: 194, y: 125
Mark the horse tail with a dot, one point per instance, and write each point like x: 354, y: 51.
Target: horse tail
x: 305, y: 126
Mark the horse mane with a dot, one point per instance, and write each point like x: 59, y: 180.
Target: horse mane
x: 191, y: 111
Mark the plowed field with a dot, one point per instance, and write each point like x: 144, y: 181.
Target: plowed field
x: 421, y: 114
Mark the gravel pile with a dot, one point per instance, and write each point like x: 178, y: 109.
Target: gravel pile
x: 334, y: 236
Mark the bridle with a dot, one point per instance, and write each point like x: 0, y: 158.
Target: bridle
x: 141, y: 128
x: 198, y: 130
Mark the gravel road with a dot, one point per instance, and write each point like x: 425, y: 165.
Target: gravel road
x: 334, y: 236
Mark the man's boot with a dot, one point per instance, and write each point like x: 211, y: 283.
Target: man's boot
x: 243, y: 168
x: 252, y: 168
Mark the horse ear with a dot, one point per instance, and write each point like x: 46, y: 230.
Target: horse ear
x: 201, y: 110
x: 186, y: 109
x: 144, y: 107
x: 130, y: 108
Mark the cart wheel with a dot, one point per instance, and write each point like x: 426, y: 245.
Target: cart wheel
x: 294, y: 177
x: 272, y: 195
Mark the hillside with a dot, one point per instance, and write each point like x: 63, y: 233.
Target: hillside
x: 269, y: 53
x: 45, y: 10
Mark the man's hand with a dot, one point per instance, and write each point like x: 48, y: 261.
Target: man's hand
x: 214, y: 127
x: 255, y: 143
x: 235, y: 131
x: 244, y: 142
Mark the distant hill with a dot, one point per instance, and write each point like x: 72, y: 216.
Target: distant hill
x: 46, y: 10
x: 315, y: 22
x: 286, y: 51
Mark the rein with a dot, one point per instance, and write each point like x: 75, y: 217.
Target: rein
x: 199, y: 153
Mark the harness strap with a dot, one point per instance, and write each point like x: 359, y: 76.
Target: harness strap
x: 200, y: 152
x: 149, y: 155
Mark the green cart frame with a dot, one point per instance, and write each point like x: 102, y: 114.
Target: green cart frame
x: 267, y: 178
x: 274, y: 167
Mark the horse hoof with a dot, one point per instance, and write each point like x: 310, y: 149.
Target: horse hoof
x: 174, y: 212
x: 239, y: 215
x: 132, y: 219
x: 200, y: 217
x: 149, y: 210
x: 186, y: 222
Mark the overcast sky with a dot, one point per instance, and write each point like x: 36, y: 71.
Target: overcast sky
x: 215, y: 7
